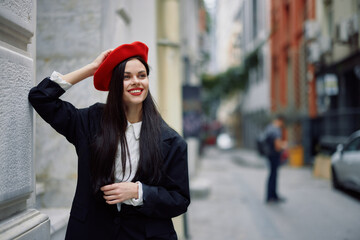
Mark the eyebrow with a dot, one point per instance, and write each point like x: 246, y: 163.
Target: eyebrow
x: 142, y: 71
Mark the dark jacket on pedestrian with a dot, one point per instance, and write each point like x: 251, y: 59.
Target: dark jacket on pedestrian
x: 91, y: 217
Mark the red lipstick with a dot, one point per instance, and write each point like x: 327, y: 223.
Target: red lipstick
x: 135, y: 91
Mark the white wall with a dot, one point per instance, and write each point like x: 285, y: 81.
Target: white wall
x: 189, y: 28
x: 226, y: 27
x: 257, y: 96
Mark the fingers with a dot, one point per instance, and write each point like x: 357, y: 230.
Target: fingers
x: 119, y: 192
x: 108, y: 187
x: 101, y: 58
x: 105, y: 54
x: 112, y: 192
x: 113, y: 199
x: 112, y: 195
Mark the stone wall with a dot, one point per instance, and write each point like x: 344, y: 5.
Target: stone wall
x: 68, y: 37
x: 17, y: 218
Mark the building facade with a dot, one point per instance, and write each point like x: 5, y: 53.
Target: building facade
x: 18, y: 217
x: 292, y: 87
x: 255, y: 103
x: 314, y: 72
x: 336, y: 33
x: 227, y: 34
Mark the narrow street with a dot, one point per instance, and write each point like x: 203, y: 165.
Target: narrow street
x: 235, y: 208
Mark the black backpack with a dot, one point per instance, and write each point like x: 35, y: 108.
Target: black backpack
x: 262, y: 144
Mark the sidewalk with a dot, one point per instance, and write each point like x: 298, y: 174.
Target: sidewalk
x: 247, y: 157
x: 234, y: 207
x: 207, y: 213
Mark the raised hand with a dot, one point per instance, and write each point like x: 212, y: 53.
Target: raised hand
x: 97, y: 62
x: 86, y: 71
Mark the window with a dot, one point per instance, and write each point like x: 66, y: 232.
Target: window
x: 354, y: 145
x: 255, y: 19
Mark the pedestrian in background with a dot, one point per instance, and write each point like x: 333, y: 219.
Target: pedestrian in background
x: 277, y: 145
x: 132, y: 167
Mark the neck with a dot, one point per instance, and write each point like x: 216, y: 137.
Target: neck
x: 134, y: 113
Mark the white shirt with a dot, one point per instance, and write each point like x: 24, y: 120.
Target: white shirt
x: 132, y: 137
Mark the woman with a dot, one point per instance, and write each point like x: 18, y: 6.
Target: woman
x: 132, y: 167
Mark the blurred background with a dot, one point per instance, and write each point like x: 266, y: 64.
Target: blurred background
x: 220, y: 71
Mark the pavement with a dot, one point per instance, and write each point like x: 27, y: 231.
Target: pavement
x: 231, y: 205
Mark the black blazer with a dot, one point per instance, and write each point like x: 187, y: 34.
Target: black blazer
x: 90, y: 216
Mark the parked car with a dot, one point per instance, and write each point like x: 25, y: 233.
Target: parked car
x: 345, y: 164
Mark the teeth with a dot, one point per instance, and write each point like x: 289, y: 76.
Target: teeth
x: 135, y: 91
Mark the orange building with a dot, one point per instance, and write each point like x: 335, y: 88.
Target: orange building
x: 288, y: 64
x: 292, y: 87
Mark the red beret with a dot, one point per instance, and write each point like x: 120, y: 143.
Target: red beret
x: 103, y: 74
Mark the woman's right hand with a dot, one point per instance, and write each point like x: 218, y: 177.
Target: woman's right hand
x: 99, y: 59
x: 86, y: 71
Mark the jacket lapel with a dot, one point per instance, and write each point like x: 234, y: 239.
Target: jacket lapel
x: 165, y: 145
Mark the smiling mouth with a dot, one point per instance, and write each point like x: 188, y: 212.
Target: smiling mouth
x: 136, y: 92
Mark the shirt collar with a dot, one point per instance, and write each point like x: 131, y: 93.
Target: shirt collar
x: 136, y: 129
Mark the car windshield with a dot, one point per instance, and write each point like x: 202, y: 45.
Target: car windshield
x: 354, y: 145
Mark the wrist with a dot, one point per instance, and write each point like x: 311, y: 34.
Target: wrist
x: 91, y: 69
x: 136, y: 192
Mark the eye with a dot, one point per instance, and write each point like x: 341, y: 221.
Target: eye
x: 142, y: 76
x: 126, y: 77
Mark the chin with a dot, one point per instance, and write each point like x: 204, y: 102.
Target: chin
x: 134, y: 103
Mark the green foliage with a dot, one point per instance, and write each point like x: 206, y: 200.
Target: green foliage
x: 226, y: 83
x: 220, y: 86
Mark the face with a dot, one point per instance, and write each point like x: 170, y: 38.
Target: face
x: 136, y: 83
x: 281, y: 123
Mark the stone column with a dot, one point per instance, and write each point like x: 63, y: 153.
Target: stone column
x: 169, y: 62
x: 18, y: 220
x: 169, y: 74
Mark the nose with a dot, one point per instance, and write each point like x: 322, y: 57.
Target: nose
x: 135, y: 80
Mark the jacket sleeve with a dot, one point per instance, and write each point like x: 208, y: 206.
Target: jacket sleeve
x: 172, y: 197
x: 61, y: 115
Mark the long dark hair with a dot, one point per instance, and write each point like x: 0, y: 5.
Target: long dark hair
x: 112, y: 132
